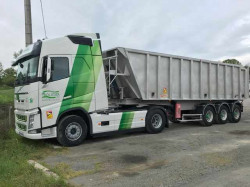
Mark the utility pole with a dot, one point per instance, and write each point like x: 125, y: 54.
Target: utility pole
x: 28, y: 23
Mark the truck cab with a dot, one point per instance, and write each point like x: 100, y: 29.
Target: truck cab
x: 61, y: 92
x: 55, y: 76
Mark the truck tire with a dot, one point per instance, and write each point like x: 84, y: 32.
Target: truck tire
x: 155, y: 121
x: 208, y: 117
x: 235, y: 115
x: 71, y: 131
x: 223, y: 115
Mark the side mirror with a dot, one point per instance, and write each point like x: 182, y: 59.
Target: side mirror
x: 48, y: 73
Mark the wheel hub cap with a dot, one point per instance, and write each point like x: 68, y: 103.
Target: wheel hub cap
x: 209, y: 116
x: 156, y: 121
x: 236, y: 113
x: 223, y: 114
x: 73, y: 131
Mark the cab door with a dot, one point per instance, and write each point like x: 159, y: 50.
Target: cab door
x: 51, y: 92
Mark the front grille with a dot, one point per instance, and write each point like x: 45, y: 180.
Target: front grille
x: 22, y: 127
x: 21, y: 117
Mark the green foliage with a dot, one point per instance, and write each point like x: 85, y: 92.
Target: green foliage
x: 9, y: 76
x: 1, y: 73
x: 232, y: 61
x: 14, y: 169
x: 1, y: 70
x: 6, y: 95
x: 247, y: 65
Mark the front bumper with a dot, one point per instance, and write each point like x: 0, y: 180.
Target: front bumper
x: 30, y: 136
x: 32, y: 131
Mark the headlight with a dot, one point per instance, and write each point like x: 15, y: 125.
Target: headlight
x: 31, y: 121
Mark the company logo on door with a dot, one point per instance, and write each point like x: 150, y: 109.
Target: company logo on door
x: 48, y: 94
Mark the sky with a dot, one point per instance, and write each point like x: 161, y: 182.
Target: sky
x: 207, y: 29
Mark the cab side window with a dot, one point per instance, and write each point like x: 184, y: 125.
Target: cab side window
x: 59, y: 68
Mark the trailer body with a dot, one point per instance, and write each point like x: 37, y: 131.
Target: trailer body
x: 150, y: 76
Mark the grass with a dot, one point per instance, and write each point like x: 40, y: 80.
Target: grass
x: 15, y: 151
x: 63, y: 169
x: 14, y: 169
x: 218, y: 159
x: 6, y: 95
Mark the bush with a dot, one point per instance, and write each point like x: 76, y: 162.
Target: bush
x: 9, y: 76
x: 6, y: 121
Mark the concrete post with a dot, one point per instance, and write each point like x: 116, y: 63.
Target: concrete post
x: 28, y: 23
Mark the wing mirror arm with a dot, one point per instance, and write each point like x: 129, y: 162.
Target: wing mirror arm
x: 46, y: 74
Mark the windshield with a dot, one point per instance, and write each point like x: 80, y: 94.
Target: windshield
x: 27, y: 71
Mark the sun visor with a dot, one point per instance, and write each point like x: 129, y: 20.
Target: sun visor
x: 30, y: 51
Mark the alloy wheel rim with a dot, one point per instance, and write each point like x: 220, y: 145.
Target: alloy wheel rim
x: 73, y: 131
x: 223, y: 114
x: 156, y: 121
x: 236, y: 113
x: 209, y: 116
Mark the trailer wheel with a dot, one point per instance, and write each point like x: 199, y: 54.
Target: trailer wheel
x: 236, y: 114
x: 223, y: 115
x: 155, y: 121
x: 208, y: 116
x: 71, y: 131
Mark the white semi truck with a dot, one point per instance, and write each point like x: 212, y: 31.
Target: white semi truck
x: 67, y: 88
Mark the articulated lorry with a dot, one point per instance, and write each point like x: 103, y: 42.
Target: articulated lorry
x: 68, y: 88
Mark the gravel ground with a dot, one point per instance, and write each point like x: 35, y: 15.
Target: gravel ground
x: 183, y: 155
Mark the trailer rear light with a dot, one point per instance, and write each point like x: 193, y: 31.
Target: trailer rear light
x: 177, y: 110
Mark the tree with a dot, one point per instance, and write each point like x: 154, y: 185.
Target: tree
x: 16, y: 54
x: 1, y: 70
x: 248, y: 66
x: 232, y: 61
x: 9, y: 76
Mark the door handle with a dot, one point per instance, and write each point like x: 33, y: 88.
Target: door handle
x: 67, y: 97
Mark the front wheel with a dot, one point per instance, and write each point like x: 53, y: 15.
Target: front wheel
x: 71, y: 131
x: 155, y: 121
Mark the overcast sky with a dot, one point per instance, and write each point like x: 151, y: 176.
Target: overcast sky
x: 207, y: 29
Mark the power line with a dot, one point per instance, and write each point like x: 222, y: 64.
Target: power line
x: 43, y: 19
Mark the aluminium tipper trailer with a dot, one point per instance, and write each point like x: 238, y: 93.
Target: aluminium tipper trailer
x: 154, y: 76
x: 142, y: 77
